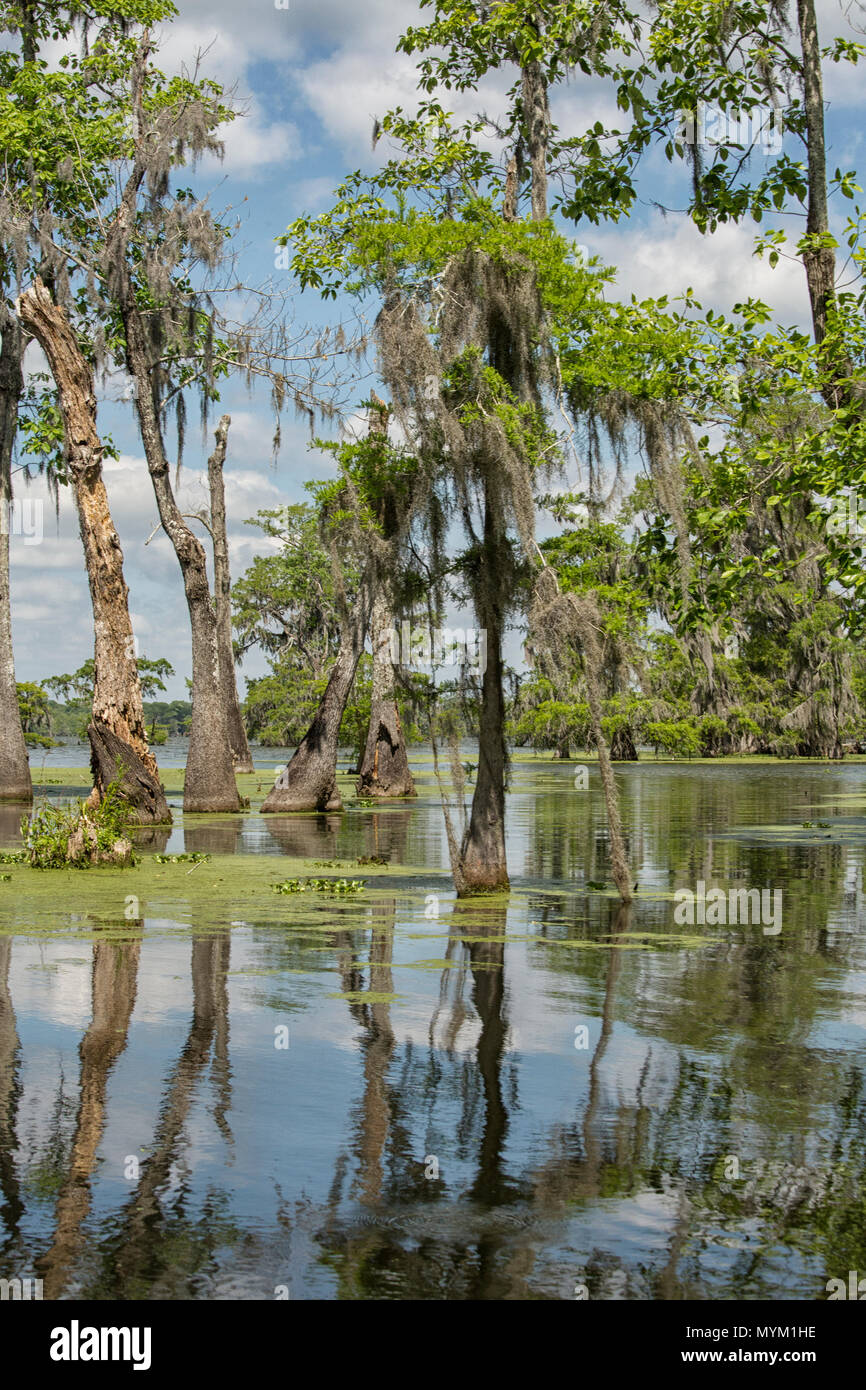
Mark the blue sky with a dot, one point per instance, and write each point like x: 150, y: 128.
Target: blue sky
x: 310, y: 79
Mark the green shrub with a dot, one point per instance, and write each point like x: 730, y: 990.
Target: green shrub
x: 47, y: 830
x: 678, y: 737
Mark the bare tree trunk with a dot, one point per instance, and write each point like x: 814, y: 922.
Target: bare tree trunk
x: 384, y: 767
x: 240, y: 748
x: 536, y: 117
x: 15, y: 783
x: 118, y: 741
x: 483, y: 866
x: 209, y: 784
x: 309, y: 781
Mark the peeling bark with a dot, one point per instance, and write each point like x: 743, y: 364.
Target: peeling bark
x: 118, y: 740
x: 209, y: 783
x: 15, y: 783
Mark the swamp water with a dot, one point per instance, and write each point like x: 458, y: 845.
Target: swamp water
x: 212, y: 1090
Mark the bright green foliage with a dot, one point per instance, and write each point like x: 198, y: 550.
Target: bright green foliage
x: 339, y: 887
x: 35, y: 715
x: 79, y: 685
x: 47, y: 830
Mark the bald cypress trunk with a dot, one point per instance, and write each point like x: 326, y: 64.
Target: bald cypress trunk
x: 385, y: 763
x: 240, y: 748
x: 209, y: 782
x: 15, y: 784
x: 309, y: 781
x: 483, y: 866
x: 118, y: 742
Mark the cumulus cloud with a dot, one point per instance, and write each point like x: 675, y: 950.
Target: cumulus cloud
x: 666, y: 256
x: 52, y: 615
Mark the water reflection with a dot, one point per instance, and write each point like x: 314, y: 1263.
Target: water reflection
x: 113, y: 985
x: 214, y: 837
x: 10, y: 823
x: 305, y: 837
x: 10, y: 1089
x: 437, y: 1129
x: 143, y: 1252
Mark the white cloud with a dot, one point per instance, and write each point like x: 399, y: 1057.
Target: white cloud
x: 666, y: 256
x: 52, y: 624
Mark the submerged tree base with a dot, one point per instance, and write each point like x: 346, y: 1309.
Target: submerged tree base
x: 284, y: 797
x: 384, y: 770
x: 19, y: 792
x: 483, y: 890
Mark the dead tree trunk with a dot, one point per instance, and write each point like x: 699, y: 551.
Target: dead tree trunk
x: 15, y: 784
x: 240, y: 748
x: 384, y: 767
x: 118, y: 742
x: 309, y: 781
x: 209, y: 784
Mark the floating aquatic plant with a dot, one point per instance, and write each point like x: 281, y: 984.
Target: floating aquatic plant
x: 195, y: 857
x: 320, y: 885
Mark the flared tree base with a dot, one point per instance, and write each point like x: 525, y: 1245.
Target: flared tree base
x: 384, y: 770
x: 112, y: 757
x: 622, y: 748
x: 289, y: 794
x: 19, y: 792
